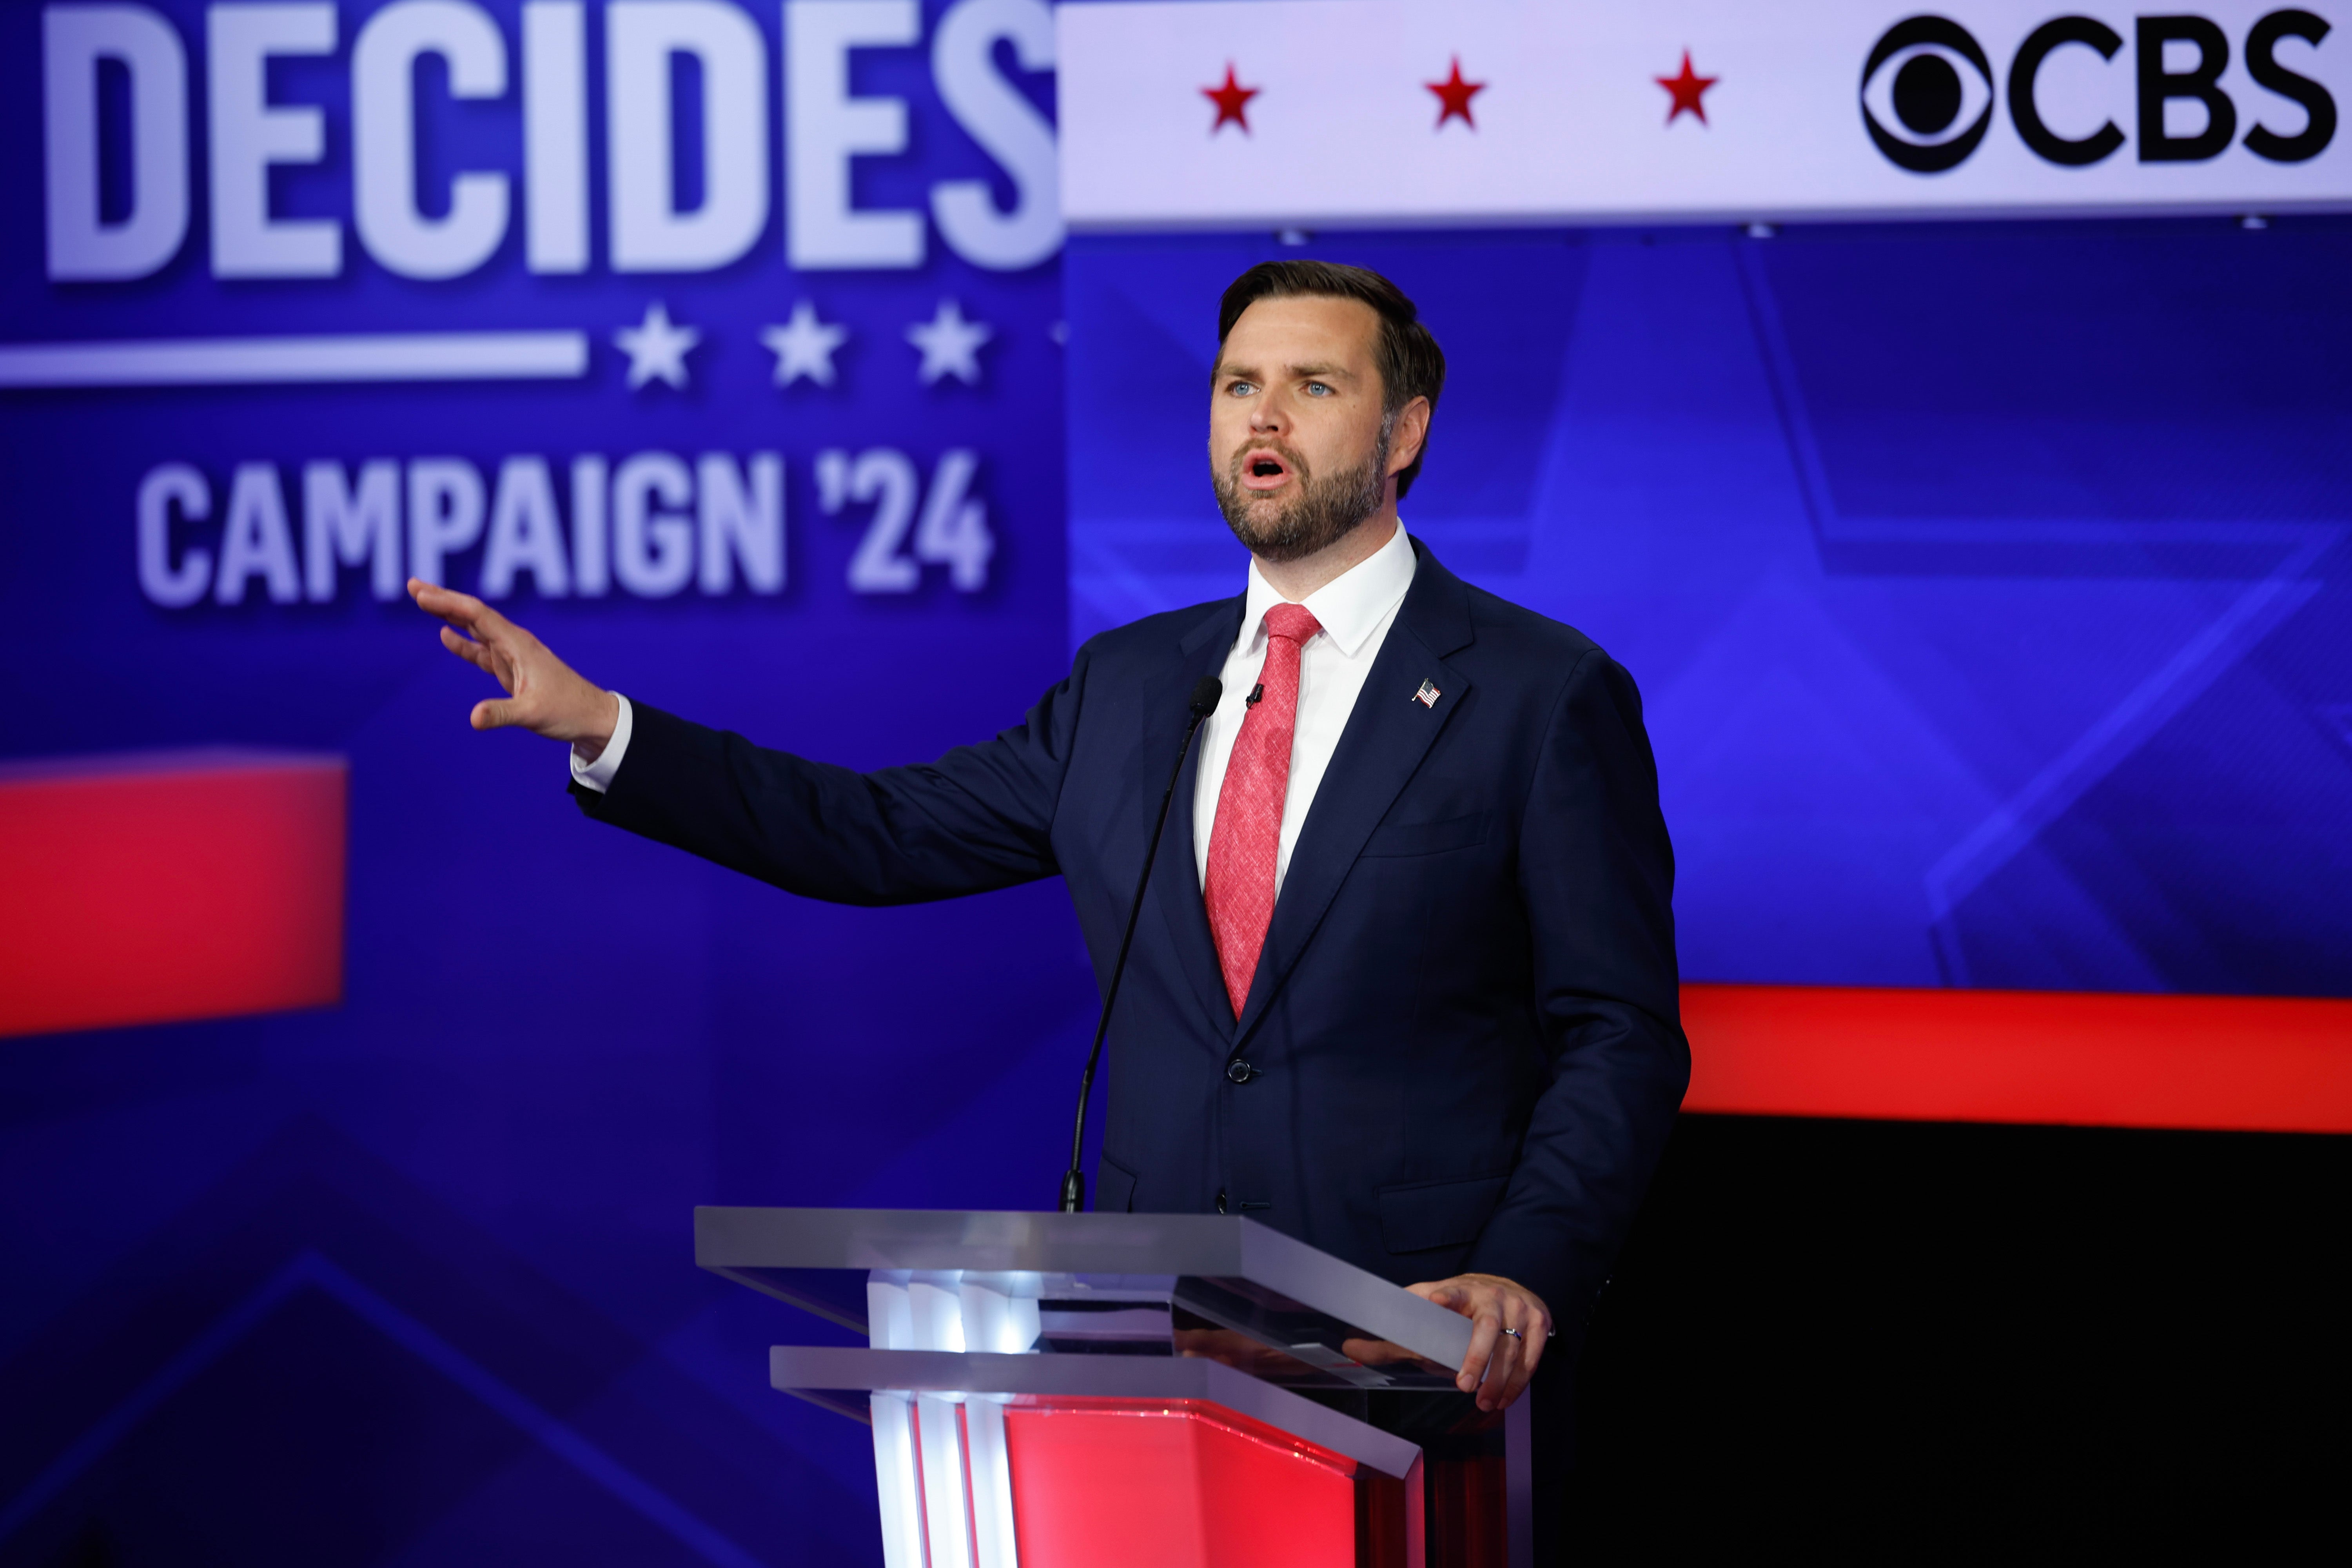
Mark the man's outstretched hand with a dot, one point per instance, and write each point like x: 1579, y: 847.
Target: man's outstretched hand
x: 545, y: 695
x: 1498, y: 1368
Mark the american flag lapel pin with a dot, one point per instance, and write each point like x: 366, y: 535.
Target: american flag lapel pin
x: 1428, y: 695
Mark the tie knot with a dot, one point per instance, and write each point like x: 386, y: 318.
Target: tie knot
x: 1296, y: 622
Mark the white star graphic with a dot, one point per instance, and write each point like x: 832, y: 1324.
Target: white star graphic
x: 656, y: 348
x: 804, y: 346
x: 950, y: 345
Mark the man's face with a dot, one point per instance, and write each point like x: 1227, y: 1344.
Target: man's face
x: 1297, y: 443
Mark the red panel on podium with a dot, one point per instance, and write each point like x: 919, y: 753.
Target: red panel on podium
x: 142, y: 890
x: 1180, y: 1484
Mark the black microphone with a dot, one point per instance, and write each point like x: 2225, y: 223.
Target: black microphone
x: 1205, y: 697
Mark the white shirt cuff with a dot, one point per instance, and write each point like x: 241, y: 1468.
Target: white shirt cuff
x: 598, y: 775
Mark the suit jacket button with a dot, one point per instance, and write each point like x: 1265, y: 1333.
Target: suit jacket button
x: 1221, y: 1200
x: 1240, y: 1071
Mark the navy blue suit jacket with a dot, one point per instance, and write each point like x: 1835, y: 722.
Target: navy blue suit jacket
x: 1463, y: 1036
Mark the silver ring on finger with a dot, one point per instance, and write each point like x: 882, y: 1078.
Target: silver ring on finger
x: 1517, y: 1335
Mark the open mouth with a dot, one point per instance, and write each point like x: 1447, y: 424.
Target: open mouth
x: 1264, y: 469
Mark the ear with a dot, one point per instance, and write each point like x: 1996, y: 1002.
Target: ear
x: 1411, y: 433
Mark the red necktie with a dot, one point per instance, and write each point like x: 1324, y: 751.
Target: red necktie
x: 1248, y: 831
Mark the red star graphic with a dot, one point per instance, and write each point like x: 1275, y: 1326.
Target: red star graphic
x: 1686, y: 88
x: 1231, y: 99
x: 1455, y: 95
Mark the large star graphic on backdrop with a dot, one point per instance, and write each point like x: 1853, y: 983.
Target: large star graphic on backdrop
x: 950, y: 345
x: 1231, y: 99
x: 656, y: 348
x: 804, y: 346
x: 1454, y: 96
x: 1688, y: 88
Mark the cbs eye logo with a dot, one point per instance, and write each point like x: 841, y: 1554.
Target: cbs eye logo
x: 1927, y: 94
x: 1927, y: 91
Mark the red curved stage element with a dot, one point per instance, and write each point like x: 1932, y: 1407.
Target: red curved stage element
x: 146, y: 888
x: 2225, y: 1063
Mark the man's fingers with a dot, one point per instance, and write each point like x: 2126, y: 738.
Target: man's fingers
x: 461, y: 610
x: 496, y: 715
x: 465, y: 648
x: 494, y: 660
x: 1501, y: 1381
x: 1485, y: 1328
x: 1508, y: 1381
x: 1450, y: 1297
x: 1483, y: 1365
x: 457, y: 609
x: 1498, y: 1365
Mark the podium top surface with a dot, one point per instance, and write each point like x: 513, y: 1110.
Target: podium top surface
x: 1233, y: 1270
x: 938, y: 1239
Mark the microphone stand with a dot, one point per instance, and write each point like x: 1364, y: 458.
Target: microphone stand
x: 1205, y: 697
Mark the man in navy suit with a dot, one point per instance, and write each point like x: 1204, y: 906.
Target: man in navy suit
x: 1406, y: 985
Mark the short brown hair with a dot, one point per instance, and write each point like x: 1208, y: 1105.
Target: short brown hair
x: 1411, y: 363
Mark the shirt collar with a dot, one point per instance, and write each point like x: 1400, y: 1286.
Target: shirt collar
x: 1349, y: 606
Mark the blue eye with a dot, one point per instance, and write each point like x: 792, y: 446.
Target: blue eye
x: 1240, y: 389
x: 1318, y: 389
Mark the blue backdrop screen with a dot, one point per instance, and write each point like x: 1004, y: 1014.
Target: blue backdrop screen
x: 1984, y: 582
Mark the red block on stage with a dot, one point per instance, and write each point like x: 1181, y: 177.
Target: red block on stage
x: 2278, y: 1064
x: 142, y: 890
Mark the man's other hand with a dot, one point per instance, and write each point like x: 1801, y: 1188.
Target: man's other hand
x: 545, y: 695
x: 1499, y: 1364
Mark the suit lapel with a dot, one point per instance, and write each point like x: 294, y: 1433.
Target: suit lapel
x: 1385, y: 739
x: 1175, y: 877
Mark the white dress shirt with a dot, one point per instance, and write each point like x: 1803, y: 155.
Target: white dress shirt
x: 598, y: 775
x: 1355, y: 610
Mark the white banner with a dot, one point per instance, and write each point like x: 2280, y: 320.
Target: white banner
x: 1248, y: 113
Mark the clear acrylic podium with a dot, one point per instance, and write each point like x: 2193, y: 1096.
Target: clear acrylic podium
x: 1148, y: 1390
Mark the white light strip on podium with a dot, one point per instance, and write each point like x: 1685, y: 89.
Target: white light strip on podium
x: 1276, y: 113
x: 898, y: 1477
x: 894, y: 1482
x: 1000, y: 1314
x: 372, y: 357
x: 945, y: 1483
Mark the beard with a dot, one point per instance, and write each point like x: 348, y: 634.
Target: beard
x: 1320, y: 512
